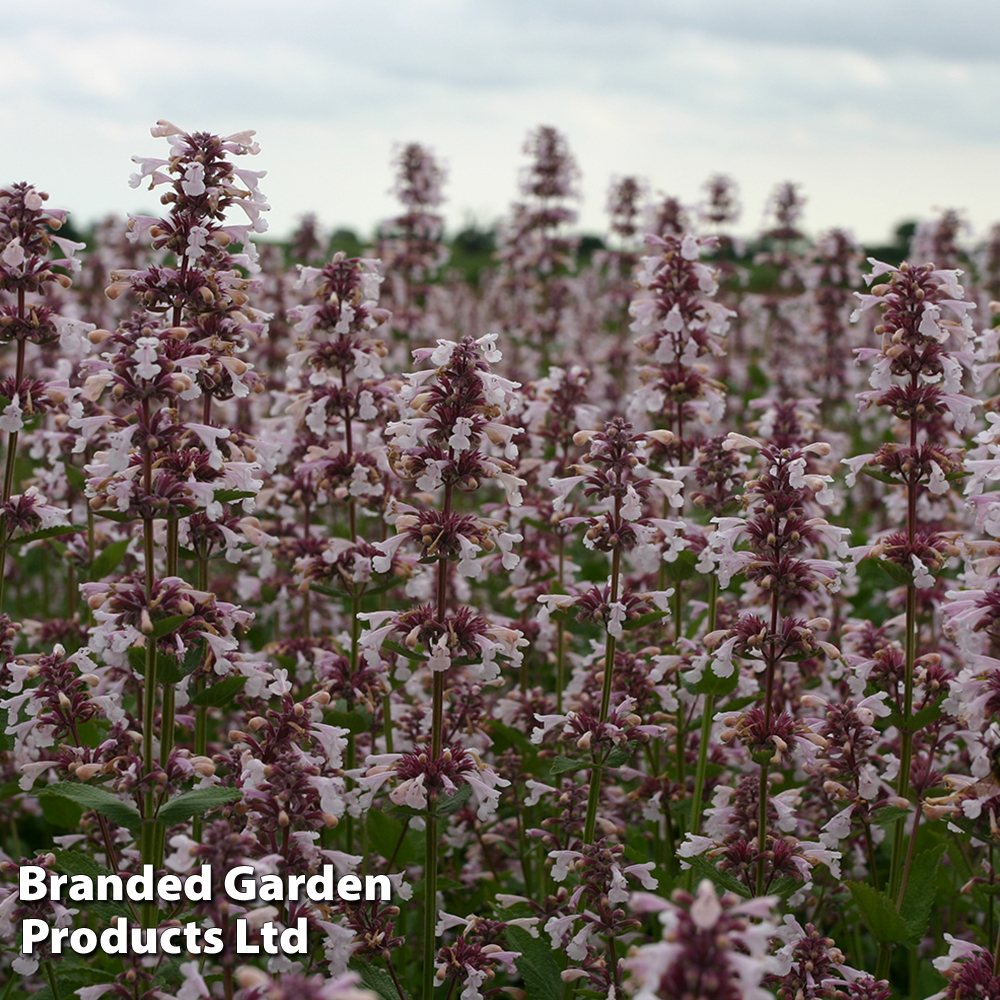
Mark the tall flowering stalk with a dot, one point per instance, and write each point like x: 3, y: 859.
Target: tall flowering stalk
x: 678, y: 323
x: 337, y: 457
x: 782, y: 562
x: 182, y: 346
x: 533, y: 294
x: 411, y: 245
x: 453, y: 412
x: 919, y: 381
x: 616, y: 481
x: 26, y: 272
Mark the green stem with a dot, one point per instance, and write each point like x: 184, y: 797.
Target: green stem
x: 437, y: 740
x: 906, y: 744
x: 201, y: 711
x: 51, y: 976
x: 8, y: 474
x: 762, y: 826
x: 706, y: 721
x: 351, y: 755
x: 593, y: 799
x: 430, y: 899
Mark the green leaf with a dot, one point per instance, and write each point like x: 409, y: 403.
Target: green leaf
x: 166, y: 625
x: 452, y: 803
x: 75, y: 477
x: 354, y: 721
x: 395, y: 647
x: 682, y: 568
x: 882, y: 477
x: 722, y: 879
x: 928, y: 714
x: 879, y: 913
x: 117, y: 515
x: 537, y: 965
x: 75, y: 863
x: 620, y: 755
x: 887, y: 815
x: 385, y: 831
x: 170, y: 670
x: 195, y: 803
x: 61, y: 812
x: 70, y: 980
x: 562, y: 764
x: 898, y: 574
x: 921, y: 888
x: 137, y: 659
x: 107, y: 562
x: 95, y: 799
x: 53, y: 532
x: 375, y: 979
x: 712, y: 683
x: 228, y: 496
x: 647, y: 619
x: 6, y: 742
x: 516, y: 739
x: 220, y: 694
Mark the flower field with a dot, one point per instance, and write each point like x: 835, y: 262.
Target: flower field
x: 631, y: 605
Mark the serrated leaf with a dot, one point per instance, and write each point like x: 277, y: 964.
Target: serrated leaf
x: 70, y: 980
x: 452, y: 803
x: 620, y: 755
x: 375, y: 979
x: 167, y: 625
x: 928, y: 714
x: 562, y: 764
x: 895, y: 572
x: 228, y: 496
x: 219, y: 694
x: 75, y: 863
x: 107, y: 562
x: 887, y: 815
x: 168, y: 974
x: 137, y: 659
x: 879, y: 913
x: 96, y: 799
x: 60, y: 812
x: 195, y: 803
x: 540, y: 972
x: 170, y: 670
x: 53, y: 532
x: 722, y: 879
x: 921, y: 889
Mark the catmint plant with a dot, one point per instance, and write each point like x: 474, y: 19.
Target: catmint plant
x: 451, y: 420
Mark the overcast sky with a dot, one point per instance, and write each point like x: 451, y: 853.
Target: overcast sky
x: 883, y: 110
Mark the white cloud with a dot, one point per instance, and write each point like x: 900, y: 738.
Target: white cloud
x: 881, y: 111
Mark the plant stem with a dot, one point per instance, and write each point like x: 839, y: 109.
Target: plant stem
x: 430, y: 898
x: 437, y: 740
x: 593, y: 799
x: 772, y: 664
x: 8, y: 474
x: 706, y: 720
